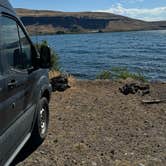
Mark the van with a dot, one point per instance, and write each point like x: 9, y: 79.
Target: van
x: 25, y: 89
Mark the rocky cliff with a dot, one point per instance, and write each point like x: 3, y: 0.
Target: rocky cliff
x: 48, y: 22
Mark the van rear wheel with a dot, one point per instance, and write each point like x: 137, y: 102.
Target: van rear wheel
x: 41, y: 125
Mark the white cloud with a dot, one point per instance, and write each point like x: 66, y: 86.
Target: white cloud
x: 153, y: 14
x: 133, y: 1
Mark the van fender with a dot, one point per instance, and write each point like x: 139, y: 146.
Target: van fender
x: 43, y: 85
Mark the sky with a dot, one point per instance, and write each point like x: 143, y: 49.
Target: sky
x: 149, y: 10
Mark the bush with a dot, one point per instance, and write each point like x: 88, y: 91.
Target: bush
x: 60, y: 32
x: 54, y: 56
x: 121, y: 73
x: 104, y: 75
x: 124, y: 73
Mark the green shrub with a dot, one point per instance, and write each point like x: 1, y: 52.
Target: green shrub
x: 124, y: 73
x: 104, y: 75
x: 54, y: 56
x: 60, y: 32
x: 120, y: 73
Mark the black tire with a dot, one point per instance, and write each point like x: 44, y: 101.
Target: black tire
x: 39, y: 132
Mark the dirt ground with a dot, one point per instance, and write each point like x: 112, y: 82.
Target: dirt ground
x: 93, y: 124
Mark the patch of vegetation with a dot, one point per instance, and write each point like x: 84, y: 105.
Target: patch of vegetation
x: 75, y: 29
x: 100, y: 31
x: 121, y: 73
x: 60, y: 32
x: 54, y: 56
x: 124, y: 73
x: 104, y: 75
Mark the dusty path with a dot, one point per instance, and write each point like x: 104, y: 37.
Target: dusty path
x: 92, y: 124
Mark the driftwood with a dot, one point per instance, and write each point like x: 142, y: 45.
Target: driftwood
x: 154, y: 101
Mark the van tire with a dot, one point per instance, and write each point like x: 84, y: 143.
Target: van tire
x: 39, y: 132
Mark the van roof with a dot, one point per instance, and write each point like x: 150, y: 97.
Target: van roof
x: 6, y: 4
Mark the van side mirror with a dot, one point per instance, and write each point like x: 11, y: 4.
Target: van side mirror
x: 45, y: 57
x: 20, y: 59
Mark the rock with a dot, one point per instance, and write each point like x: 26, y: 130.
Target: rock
x: 42, y: 152
x: 112, y: 152
x: 59, y: 83
x: 80, y: 146
x: 140, y: 164
x: 94, y: 163
x: 133, y: 88
x: 55, y: 141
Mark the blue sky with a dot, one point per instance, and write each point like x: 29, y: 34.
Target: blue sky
x: 141, y: 9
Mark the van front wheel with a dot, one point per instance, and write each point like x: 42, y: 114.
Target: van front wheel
x: 41, y: 125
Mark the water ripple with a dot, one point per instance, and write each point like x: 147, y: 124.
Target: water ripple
x: 85, y: 55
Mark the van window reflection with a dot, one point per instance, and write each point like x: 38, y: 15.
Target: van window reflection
x: 10, y: 39
x: 15, y: 45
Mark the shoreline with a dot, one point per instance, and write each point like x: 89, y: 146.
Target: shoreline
x: 51, y: 34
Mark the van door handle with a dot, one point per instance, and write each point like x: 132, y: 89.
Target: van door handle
x: 12, y: 84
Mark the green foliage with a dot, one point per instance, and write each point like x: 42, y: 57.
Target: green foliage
x: 75, y: 29
x: 54, y: 56
x: 124, y: 73
x: 55, y: 61
x: 104, y: 75
x: 121, y: 73
x: 60, y: 32
x: 100, y: 31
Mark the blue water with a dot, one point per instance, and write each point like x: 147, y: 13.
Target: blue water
x: 86, y: 55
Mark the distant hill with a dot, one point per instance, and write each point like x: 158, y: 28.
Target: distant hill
x: 49, y: 22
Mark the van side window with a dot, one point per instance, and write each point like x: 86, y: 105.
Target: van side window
x: 26, y: 49
x: 1, y: 66
x: 15, y: 45
x: 10, y: 40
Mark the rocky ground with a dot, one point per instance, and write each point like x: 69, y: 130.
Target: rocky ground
x: 93, y: 124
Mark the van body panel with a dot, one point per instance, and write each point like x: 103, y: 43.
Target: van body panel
x: 7, y: 6
x: 20, y: 91
x: 13, y: 136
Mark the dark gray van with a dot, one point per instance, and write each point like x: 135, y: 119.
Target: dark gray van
x: 24, y: 87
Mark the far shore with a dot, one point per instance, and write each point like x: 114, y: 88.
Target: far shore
x: 90, y: 32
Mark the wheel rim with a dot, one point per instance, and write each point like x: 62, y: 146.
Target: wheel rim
x: 43, y: 121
